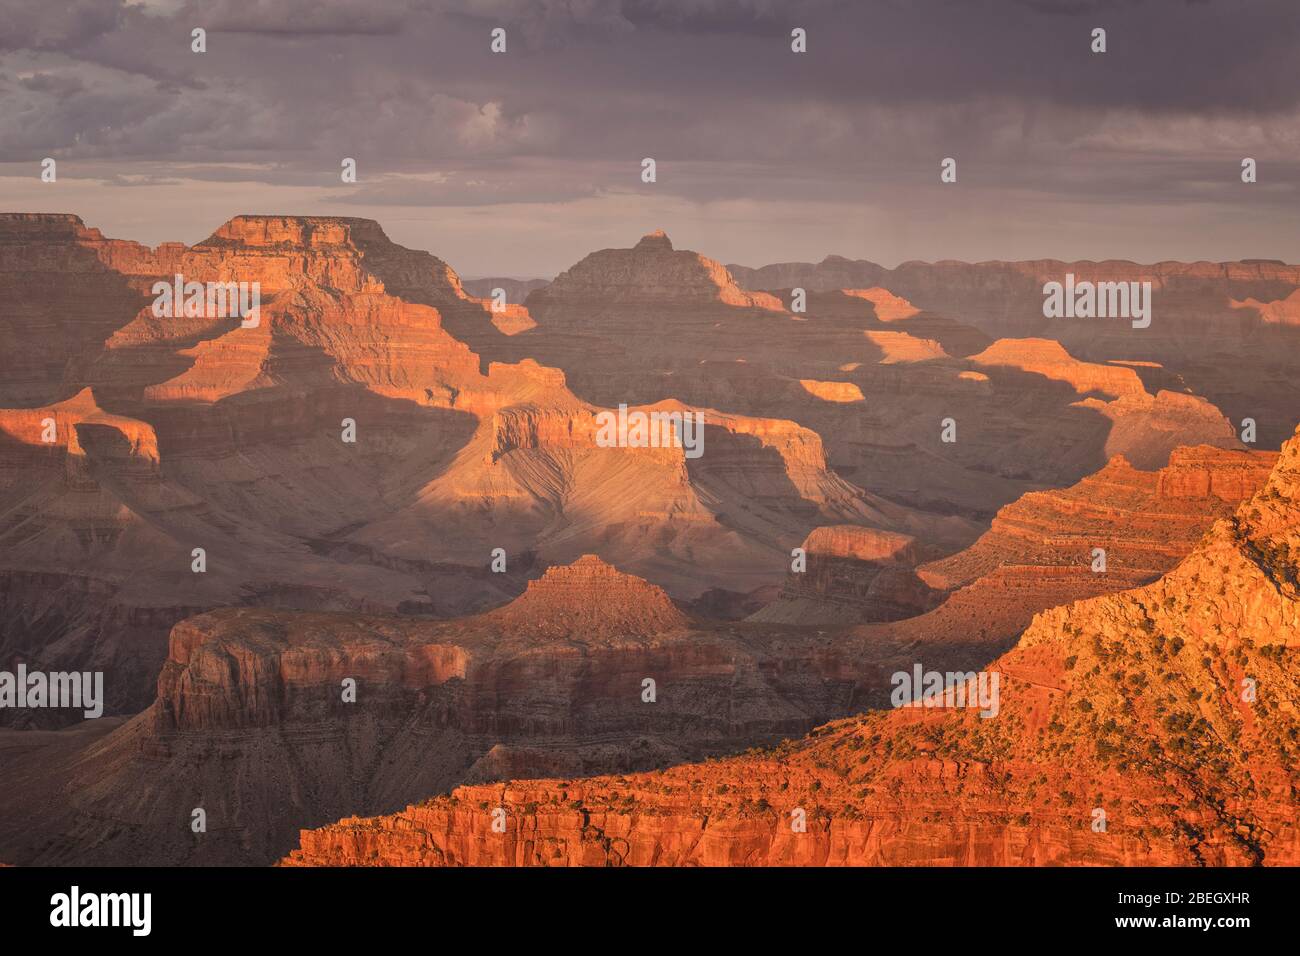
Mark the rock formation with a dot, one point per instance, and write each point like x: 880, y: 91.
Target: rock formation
x: 872, y: 373
x: 552, y: 682
x: 650, y: 274
x: 235, y: 520
x: 1152, y: 726
x: 1221, y: 330
x: 252, y: 721
x: 1038, y: 553
x: 177, y: 433
x: 852, y: 575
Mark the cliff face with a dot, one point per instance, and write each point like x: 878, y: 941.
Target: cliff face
x: 1145, y: 521
x: 64, y: 301
x: 1207, y: 472
x: 1153, y: 726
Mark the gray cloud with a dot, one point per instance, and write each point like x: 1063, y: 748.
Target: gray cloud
x: 708, y: 87
x: 299, y: 17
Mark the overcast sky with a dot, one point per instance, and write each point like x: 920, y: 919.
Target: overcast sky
x: 521, y: 163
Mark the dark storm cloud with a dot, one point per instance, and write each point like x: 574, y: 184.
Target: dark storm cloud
x: 708, y: 87
x: 694, y: 79
x: 56, y: 26
x: 298, y: 17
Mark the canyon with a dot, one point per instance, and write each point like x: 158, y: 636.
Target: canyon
x: 391, y: 484
x: 1124, y: 738
x: 181, y: 433
x: 250, y: 721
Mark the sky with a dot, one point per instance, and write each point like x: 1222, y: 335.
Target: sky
x: 520, y: 163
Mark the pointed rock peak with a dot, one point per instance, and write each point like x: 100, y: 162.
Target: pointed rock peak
x: 590, y: 597
x: 657, y: 240
x: 299, y: 232
x: 83, y: 401
x: 651, y: 273
x: 588, y: 564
